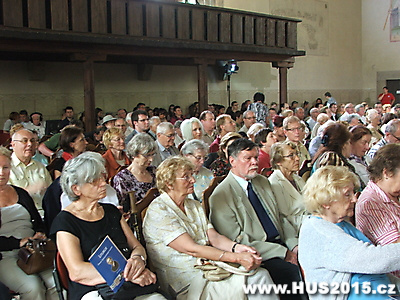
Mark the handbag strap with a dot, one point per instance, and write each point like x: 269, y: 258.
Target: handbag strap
x: 227, y: 267
x: 234, y: 270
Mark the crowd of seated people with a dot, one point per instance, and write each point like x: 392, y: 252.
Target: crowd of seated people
x: 256, y: 213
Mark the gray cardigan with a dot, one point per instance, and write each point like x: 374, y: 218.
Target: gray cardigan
x: 328, y: 254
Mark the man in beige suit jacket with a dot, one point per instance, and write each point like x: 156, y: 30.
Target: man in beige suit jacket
x: 234, y: 216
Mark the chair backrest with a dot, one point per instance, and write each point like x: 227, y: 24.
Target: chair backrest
x: 266, y: 172
x: 140, y: 212
x: 305, y: 169
x: 110, y: 180
x: 208, y: 191
x: 61, y: 276
x: 4, y: 138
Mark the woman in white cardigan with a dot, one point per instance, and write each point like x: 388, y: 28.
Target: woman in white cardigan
x: 286, y: 184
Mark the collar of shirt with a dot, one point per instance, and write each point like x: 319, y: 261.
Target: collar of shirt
x: 16, y: 162
x: 380, y: 192
x: 242, y: 182
x: 162, y: 148
x: 358, y: 159
x: 382, y: 142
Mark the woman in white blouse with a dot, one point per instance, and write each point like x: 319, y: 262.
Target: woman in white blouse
x: 177, y: 231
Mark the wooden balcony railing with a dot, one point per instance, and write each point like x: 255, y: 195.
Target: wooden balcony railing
x: 151, y: 20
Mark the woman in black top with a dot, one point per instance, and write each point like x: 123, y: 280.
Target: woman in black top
x: 83, y: 224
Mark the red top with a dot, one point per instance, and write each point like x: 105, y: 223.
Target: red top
x: 264, y: 161
x: 112, y: 166
x: 387, y: 98
x: 214, y: 147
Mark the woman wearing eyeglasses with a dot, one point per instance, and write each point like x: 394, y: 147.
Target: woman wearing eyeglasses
x: 286, y: 184
x: 116, y: 159
x: 196, y: 151
x: 177, y: 232
x: 139, y: 176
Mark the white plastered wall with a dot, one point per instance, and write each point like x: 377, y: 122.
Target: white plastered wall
x: 344, y: 39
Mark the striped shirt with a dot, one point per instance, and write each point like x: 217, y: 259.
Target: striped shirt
x: 378, y: 217
x: 371, y: 153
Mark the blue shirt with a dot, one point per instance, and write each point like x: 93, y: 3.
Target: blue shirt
x: 372, y: 280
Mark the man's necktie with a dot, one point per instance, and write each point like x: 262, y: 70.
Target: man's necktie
x: 265, y: 220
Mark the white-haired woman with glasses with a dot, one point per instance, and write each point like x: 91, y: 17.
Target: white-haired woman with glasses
x: 191, y: 129
x: 177, y: 231
x: 82, y: 226
x: 196, y: 151
x: 286, y: 184
x: 139, y: 176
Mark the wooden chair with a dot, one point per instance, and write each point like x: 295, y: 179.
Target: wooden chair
x: 208, y: 191
x: 266, y: 171
x: 305, y: 169
x: 110, y: 180
x: 138, y: 212
x: 5, y: 138
x: 60, y: 275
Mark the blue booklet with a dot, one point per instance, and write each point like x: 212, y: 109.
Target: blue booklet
x: 110, y: 263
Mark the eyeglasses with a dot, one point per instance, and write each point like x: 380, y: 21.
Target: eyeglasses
x: 198, y: 158
x: 117, y: 139
x: 100, y: 180
x: 169, y: 135
x: 292, y: 155
x: 25, y: 141
x: 295, y: 129
x: 187, y: 177
x: 397, y: 138
x: 147, y: 156
x: 122, y: 125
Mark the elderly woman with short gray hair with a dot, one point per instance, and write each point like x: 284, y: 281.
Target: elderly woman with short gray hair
x: 139, y: 176
x: 196, y: 151
x: 82, y: 226
x: 286, y: 184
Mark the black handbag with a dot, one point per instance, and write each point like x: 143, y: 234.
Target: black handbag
x: 36, y: 256
x: 127, y: 291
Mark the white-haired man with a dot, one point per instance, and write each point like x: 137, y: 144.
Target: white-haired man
x: 165, y: 143
x: 27, y: 173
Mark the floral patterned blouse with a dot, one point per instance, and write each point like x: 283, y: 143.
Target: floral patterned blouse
x: 124, y: 182
x: 220, y: 167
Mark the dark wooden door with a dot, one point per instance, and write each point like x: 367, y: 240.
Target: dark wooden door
x: 393, y: 86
